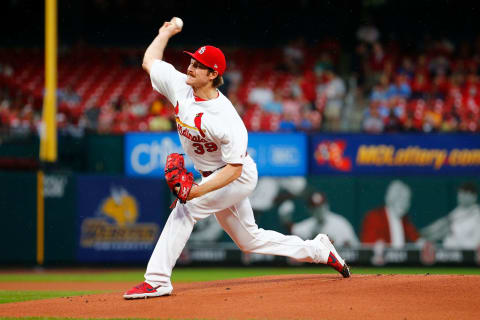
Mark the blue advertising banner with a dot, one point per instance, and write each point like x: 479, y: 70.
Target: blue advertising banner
x: 395, y: 153
x: 275, y: 154
x: 279, y: 154
x: 146, y: 153
x: 118, y: 219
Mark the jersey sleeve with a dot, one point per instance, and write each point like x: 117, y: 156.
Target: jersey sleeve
x: 234, y: 143
x: 166, y: 80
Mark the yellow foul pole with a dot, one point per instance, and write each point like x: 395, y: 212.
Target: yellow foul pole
x: 48, y: 131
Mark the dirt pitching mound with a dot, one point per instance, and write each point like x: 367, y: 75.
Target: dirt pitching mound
x: 273, y: 297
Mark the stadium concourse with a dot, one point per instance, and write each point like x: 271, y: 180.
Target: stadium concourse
x: 381, y: 88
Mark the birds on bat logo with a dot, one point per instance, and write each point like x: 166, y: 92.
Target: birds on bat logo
x: 121, y: 206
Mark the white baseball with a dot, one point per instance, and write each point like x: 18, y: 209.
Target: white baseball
x: 178, y: 22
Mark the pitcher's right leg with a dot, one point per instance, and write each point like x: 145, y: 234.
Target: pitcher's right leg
x: 169, y: 246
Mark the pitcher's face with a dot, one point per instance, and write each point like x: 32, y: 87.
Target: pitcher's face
x: 198, y: 75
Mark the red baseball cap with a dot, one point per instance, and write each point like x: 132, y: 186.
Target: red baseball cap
x: 211, y: 57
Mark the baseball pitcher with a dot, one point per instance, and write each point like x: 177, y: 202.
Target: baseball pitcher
x: 213, y: 135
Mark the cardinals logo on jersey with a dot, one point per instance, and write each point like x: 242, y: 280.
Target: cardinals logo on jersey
x: 198, y: 123
x: 331, y: 153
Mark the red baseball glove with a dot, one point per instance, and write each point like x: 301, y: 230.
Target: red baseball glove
x: 177, y: 176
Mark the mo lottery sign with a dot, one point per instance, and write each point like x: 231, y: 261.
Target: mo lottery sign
x: 397, y: 153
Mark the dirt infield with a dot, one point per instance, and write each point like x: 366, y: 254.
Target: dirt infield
x: 272, y: 297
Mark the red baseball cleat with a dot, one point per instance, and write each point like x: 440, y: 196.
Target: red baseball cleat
x: 334, y: 259
x: 144, y: 290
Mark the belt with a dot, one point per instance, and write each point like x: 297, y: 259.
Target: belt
x: 207, y: 173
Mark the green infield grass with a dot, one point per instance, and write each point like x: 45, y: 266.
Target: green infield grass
x: 50, y: 318
x: 211, y: 274
x: 7, y: 296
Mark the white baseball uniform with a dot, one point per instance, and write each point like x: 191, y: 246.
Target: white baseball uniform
x: 213, y: 135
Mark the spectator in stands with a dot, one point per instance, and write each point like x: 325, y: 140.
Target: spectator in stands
x: 432, y: 119
x: 421, y: 65
x: 261, y: 94
x: 236, y: 102
x: 420, y: 86
x: 311, y: 120
x: 287, y: 123
x: 439, y: 65
x: 410, y: 124
x: 449, y: 123
x: 469, y: 122
x: 68, y: 95
x: 400, y: 88
x: 439, y: 87
x: 372, y: 121
x: 91, y: 116
x: 390, y: 223
x: 293, y: 55
x: 292, y: 108
x: 234, y: 77
x: 308, y: 89
x: 333, y: 91
x: 106, y: 118
x: 392, y: 122
x: 138, y: 108
x: 160, y: 116
x: 124, y: 119
x: 276, y: 105
x: 380, y: 90
x: 377, y: 60
x: 368, y: 33
x: 4, y: 108
x: 407, y: 68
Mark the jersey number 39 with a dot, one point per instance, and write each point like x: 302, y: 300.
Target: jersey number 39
x: 201, y: 148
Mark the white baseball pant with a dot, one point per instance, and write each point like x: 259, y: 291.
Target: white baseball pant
x: 233, y: 211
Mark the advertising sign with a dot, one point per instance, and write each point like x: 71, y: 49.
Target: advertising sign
x: 119, y: 219
x: 146, y: 153
x: 279, y: 154
x: 395, y: 153
x: 275, y: 154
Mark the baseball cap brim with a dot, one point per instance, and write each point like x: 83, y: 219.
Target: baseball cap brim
x: 198, y: 59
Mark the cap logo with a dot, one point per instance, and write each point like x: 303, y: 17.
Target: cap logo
x: 215, y: 66
x: 201, y: 50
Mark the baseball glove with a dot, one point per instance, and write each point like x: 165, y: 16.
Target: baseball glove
x: 177, y: 176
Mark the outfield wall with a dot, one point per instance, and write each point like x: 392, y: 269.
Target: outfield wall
x: 117, y: 219
x: 102, y: 211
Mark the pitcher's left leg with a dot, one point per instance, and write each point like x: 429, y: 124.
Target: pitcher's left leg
x: 238, y: 221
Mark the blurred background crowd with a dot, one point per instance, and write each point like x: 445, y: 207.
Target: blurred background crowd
x: 375, y: 79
